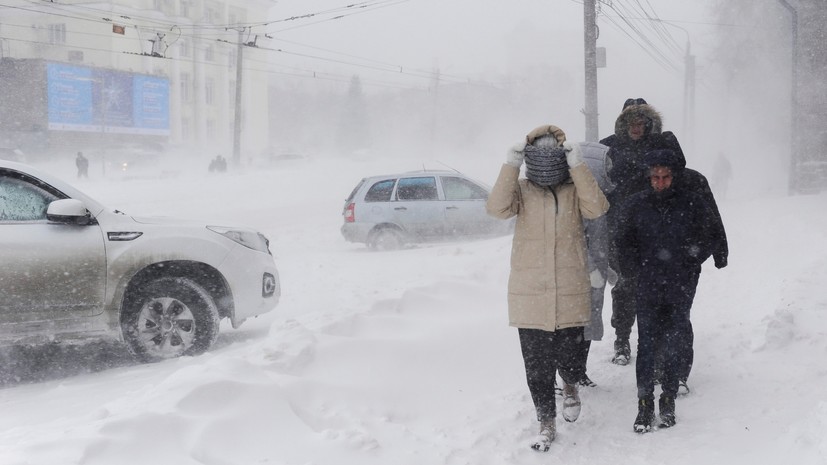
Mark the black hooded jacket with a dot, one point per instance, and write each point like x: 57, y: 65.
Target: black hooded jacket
x: 666, y: 236
x: 630, y: 175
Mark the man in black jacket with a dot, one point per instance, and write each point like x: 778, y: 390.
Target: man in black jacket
x: 668, y: 232
x: 638, y: 130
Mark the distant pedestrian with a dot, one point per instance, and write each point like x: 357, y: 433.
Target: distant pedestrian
x: 549, y: 295
x: 668, y: 233
x: 722, y: 174
x: 82, y: 164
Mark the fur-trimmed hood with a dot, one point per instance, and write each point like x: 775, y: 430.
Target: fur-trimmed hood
x: 654, y: 121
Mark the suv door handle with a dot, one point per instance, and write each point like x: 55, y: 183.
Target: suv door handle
x: 452, y: 208
x: 399, y: 208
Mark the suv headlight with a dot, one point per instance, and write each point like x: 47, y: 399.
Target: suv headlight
x: 250, y: 239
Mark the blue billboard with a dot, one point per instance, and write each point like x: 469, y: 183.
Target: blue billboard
x: 100, y: 100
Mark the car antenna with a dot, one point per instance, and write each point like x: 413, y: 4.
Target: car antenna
x: 449, y: 167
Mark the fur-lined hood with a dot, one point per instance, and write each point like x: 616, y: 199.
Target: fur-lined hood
x: 654, y: 121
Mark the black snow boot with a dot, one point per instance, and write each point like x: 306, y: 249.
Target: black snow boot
x: 666, y: 406
x: 645, y: 414
x: 623, y: 353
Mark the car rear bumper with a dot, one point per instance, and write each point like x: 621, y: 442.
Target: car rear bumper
x: 356, y: 232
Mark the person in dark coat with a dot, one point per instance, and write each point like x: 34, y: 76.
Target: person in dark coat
x: 82, y: 164
x: 693, y: 181
x: 668, y: 233
x: 638, y: 130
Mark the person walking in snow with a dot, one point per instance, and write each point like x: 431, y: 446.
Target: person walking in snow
x: 638, y: 129
x: 549, y: 291
x: 597, y: 247
x: 668, y: 233
x: 82, y: 164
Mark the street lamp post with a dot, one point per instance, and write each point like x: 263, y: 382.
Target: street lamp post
x: 688, y: 89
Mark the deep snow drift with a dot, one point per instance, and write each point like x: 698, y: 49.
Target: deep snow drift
x: 405, y: 357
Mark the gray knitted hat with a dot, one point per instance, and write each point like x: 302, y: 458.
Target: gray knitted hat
x: 546, y: 166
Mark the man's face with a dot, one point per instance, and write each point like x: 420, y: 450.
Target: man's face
x: 660, y: 177
x: 637, y: 129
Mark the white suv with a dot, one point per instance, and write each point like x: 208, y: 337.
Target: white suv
x: 387, y: 212
x: 73, y: 269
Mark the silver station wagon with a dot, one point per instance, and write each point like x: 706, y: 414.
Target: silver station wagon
x: 73, y: 269
x: 388, y: 212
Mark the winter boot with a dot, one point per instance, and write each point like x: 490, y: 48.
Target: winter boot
x: 557, y: 390
x: 645, y: 414
x: 585, y: 381
x: 683, y: 388
x: 571, y: 402
x: 623, y: 353
x: 546, y: 435
x: 666, y: 405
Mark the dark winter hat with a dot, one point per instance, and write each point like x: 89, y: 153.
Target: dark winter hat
x: 634, y: 101
x: 546, y: 166
x: 663, y: 157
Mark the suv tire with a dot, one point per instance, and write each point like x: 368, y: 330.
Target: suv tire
x: 169, y: 318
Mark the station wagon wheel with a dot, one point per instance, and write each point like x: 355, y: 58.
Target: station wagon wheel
x: 171, y: 317
x: 386, y: 239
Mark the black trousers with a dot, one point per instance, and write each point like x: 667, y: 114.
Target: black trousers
x: 663, y: 326
x: 624, y: 306
x: 544, y: 354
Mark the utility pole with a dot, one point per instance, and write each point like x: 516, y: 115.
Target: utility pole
x: 238, y: 85
x: 793, y: 186
x: 590, y: 46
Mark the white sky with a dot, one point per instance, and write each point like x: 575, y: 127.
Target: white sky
x: 487, y: 39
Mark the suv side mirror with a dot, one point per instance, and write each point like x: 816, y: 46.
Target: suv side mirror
x: 68, y: 211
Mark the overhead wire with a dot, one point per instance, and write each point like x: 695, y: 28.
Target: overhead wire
x: 217, y: 31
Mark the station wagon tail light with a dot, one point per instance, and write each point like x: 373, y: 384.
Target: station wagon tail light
x: 350, y: 213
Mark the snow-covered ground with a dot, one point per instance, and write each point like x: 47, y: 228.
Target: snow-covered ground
x: 406, y: 357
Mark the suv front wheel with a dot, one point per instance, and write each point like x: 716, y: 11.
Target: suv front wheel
x: 169, y: 318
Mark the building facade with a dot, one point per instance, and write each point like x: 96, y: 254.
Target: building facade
x: 51, y: 52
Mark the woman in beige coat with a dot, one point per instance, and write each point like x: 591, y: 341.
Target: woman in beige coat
x: 549, y: 289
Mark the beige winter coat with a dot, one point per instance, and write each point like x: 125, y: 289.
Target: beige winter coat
x: 549, y: 285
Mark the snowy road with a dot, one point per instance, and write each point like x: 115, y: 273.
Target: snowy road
x: 406, y: 358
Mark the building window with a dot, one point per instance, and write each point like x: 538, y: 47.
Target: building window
x: 211, y: 129
x: 185, y: 87
x: 209, y: 55
x: 209, y: 91
x: 184, y: 49
x: 57, y: 33
x: 184, y: 8
x: 185, y: 128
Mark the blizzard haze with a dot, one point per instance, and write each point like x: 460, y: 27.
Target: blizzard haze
x: 407, y: 358
x: 504, y: 68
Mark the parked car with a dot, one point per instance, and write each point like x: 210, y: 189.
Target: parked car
x: 387, y: 212
x: 74, y: 270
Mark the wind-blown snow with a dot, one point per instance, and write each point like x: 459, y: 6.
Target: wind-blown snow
x: 406, y: 357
